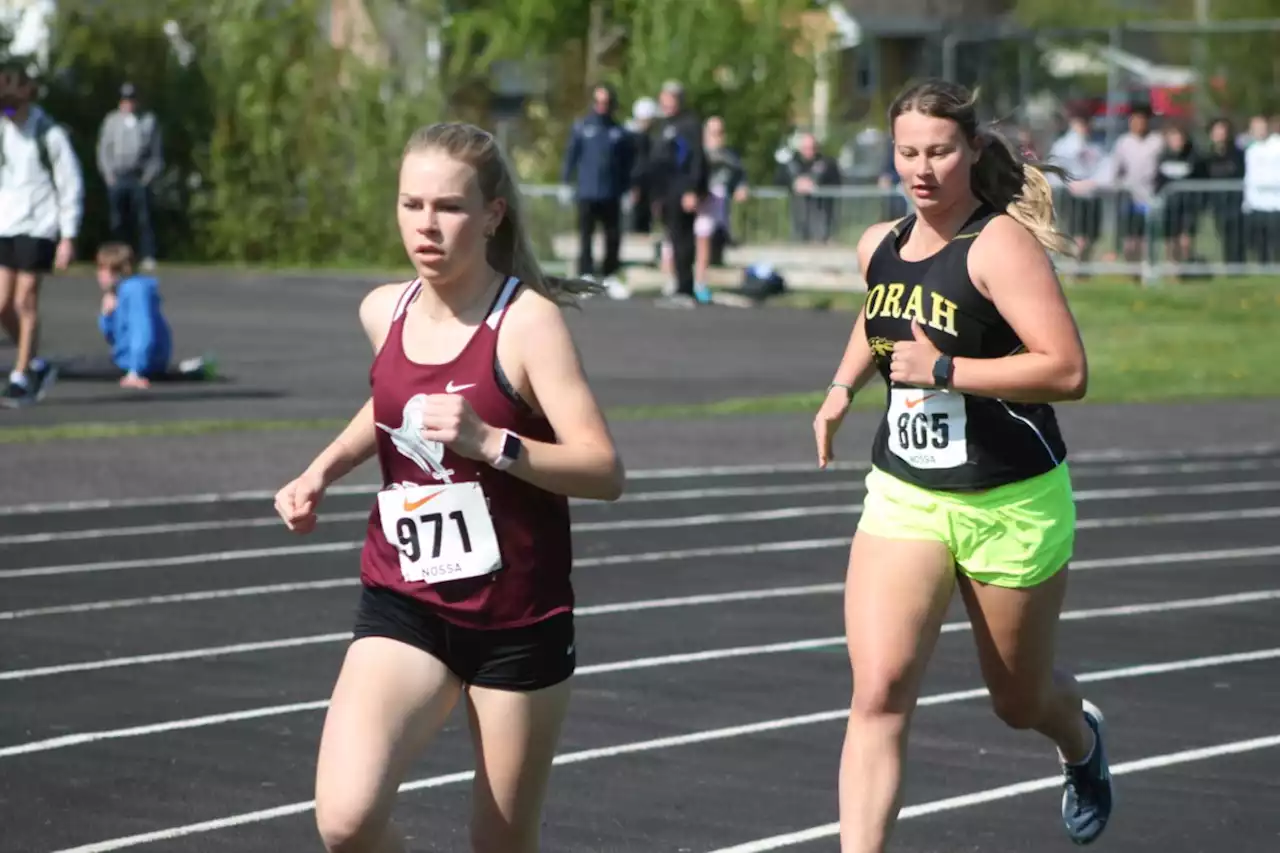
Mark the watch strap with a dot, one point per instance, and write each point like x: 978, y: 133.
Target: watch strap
x: 943, y: 370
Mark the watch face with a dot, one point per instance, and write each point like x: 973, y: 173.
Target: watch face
x: 511, y: 447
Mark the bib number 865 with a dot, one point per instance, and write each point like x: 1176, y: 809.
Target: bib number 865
x: 919, y: 430
x: 408, y: 531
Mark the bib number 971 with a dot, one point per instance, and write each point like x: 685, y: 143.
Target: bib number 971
x: 442, y: 533
x: 409, y: 533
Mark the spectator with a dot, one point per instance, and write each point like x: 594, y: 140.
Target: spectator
x: 1224, y: 161
x: 726, y: 183
x: 806, y: 172
x: 600, y: 154
x: 1177, y: 163
x: 678, y: 175
x: 1134, y: 166
x: 643, y: 112
x: 1084, y: 161
x: 1262, y: 195
x: 41, y: 206
x: 130, y: 158
x: 131, y: 319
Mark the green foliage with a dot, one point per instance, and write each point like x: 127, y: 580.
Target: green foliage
x: 283, y: 147
x: 741, y: 61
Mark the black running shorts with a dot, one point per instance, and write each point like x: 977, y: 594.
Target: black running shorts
x: 527, y: 658
x: 27, y: 254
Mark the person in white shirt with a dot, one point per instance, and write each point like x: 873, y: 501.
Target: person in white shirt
x: 1134, y: 165
x: 1262, y: 195
x: 1085, y: 162
x: 41, y: 206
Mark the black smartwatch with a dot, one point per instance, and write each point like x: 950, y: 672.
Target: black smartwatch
x: 943, y: 369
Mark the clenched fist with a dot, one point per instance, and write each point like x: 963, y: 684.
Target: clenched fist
x: 913, y: 360
x: 296, y: 503
x: 450, y: 420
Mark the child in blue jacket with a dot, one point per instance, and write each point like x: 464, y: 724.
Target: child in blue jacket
x: 131, y: 318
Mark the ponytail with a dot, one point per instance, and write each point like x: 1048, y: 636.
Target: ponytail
x: 1003, y: 179
x: 511, y: 251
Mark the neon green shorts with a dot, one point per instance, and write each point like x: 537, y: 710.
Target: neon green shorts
x: 1017, y: 535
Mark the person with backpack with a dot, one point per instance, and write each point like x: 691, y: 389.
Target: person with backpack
x: 41, y: 206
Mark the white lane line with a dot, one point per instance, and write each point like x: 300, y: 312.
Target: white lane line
x: 639, y: 663
x: 1205, y: 455
x: 362, y: 515
x: 777, y: 514
x: 764, y: 469
x: 1005, y: 792
x: 268, y: 589
x: 633, y: 497
x: 706, y: 736
x: 658, y: 556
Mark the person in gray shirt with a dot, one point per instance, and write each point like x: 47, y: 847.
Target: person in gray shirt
x: 130, y: 158
x: 1135, y: 162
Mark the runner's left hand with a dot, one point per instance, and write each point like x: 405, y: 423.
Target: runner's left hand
x: 449, y: 419
x: 912, y: 362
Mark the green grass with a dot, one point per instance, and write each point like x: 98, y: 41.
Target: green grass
x: 1177, y: 342
x: 1199, y: 340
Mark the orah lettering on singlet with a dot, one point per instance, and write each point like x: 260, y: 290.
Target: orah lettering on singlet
x: 886, y: 300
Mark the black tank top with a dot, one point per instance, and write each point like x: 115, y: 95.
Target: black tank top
x: 940, y: 439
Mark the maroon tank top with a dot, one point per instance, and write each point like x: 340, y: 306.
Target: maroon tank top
x: 531, y: 525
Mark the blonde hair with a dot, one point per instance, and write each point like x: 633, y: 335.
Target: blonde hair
x: 1002, y: 177
x: 117, y: 257
x: 510, y: 250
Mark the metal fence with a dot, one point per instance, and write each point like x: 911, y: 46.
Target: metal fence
x: 1191, y: 229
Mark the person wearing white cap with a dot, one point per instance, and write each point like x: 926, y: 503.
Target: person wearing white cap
x: 643, y: 112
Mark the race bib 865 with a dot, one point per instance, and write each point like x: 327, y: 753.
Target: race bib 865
x: 927, y: 427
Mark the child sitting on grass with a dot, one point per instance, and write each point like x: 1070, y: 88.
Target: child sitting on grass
x: 131, y: 318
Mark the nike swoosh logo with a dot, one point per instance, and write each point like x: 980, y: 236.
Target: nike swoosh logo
x: 410, y: 506
x: 911, y: 404
x: 454, y: 389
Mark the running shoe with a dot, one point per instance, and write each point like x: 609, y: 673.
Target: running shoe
x: 1086, y: 795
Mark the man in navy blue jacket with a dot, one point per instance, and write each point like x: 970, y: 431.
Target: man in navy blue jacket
x: 600, y: 153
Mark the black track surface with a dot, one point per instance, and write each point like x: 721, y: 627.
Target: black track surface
x: 131, y: 631
x: 699, y: 796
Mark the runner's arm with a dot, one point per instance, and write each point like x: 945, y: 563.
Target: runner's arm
x: 857, y: 366
x: 1011, y: 266
x: 583, y: 462
x: 351, y: 449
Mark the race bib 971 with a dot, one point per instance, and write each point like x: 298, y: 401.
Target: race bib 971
x: 927, y: 427
x: 443, y: 533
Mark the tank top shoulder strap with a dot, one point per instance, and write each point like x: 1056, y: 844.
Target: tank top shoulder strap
x: 502, y: 302
x: 885, y: 251
x: 976, y: 222
x: 407, y: 295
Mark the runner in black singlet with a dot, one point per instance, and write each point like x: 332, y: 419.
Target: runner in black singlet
x: 966, y: 323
